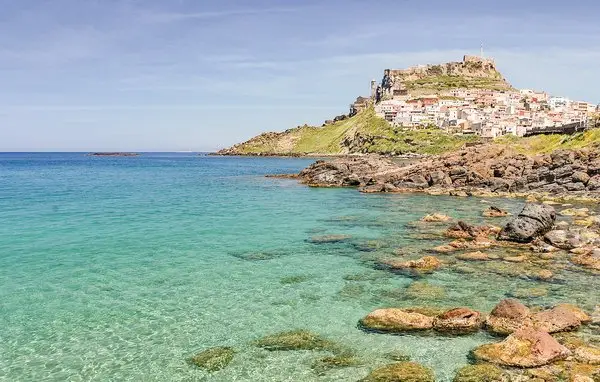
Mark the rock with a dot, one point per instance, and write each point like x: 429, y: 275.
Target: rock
x: 543, y: 275
x: 528, y: 293
x: 322, y: 365
x: 459, y: 321
x: 480, y: 373
x: 294, y: 340
x: 396, y: 321
x: 329, y: 239
x: 426, y: 264
x: 557, y: 319
x: 436, y: 218
x: 580, y: 177
x: 577, y: 212
x: 401, y: 372
x: 508, y: 316
x: 594, y: 183
x: 474, y: 256
x: 515, y: 259
x: 588, y: 354
x: 577, y: 311
x: 562, y: 239
x: 535, y: 220
x: 439, y: 178
x: 524, y: 348
x: 495, y: 212
x: 424, y: 291
x: 213, y: 359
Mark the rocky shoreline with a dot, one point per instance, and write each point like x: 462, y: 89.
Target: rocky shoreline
x: 485, y: 170
x: 524, y: 343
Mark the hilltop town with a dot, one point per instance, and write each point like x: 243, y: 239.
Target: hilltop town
x: 431, y: 109
x: 470, y: 97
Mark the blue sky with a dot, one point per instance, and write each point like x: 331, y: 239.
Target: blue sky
x: 201, y: 75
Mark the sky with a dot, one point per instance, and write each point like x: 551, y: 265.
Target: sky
x: 155, y: 75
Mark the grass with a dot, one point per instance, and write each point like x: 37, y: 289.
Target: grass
x: 377, y: 136
x: 542, y: 144
x: 445, y: 82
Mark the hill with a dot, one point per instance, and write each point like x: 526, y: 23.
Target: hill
x: 360, y: 134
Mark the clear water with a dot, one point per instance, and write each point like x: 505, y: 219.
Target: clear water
x: 122, y: 268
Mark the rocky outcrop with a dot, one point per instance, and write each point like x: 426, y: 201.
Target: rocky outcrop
x: 524, y: 348
x: 495, y: 212
x: 396, y: 321
x: 535, y: 220
x: 482, y: 169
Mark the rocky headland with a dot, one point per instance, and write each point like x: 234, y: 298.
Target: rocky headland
x: 484, y: 170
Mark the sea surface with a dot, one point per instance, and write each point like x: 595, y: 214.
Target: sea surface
x: 121, y: 268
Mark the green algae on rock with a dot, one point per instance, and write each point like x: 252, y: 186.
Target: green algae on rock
x: 425, y: 291
x: 480, y: 373
x: 297, y: 279
x: 401, y: 372
x: 295, y: 340
x: 395, y: 320
x: 322, y: 365
x: 213, y: 359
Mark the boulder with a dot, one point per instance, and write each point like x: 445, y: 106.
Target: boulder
x: 557, y: 319
x: 508, y: 316
x: 396, y: 321
x: 401, y: 372
x: 459, y: 321
x: 535, y: 220
x: 524, y: 348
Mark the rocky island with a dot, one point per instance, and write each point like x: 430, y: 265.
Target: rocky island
x: 113, y: 154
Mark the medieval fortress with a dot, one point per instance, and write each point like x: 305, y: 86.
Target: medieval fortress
x: 470, y: 97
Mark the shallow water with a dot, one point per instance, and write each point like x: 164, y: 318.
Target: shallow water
x: 122, y: 268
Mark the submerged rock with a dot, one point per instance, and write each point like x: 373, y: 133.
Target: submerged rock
x: 213, y: 359
x: 326, y: 239
x: 474, y: 256
x: 436, y: 218
x: 524, y: 348
x: 535, y: 220
x: 495, y: 212
x: 395, y: 320
x: 322, y: 365
x: 401, y: 372
x: 459, y: 321
x: 426, y: 264
x: 294, y: 340
x: 508, y: 316
x: 480, y: 373
x: 424, y: 291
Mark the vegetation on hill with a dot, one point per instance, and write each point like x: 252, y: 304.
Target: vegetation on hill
x: 447, y: 82
x: 362, y: 133
x: 541, y: 144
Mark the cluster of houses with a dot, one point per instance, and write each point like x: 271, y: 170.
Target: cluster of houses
x: 487, y: 113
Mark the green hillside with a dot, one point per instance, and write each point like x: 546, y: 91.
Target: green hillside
x: 363, y: 133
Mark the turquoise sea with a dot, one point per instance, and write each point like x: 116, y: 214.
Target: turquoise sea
x: 119, y: 269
